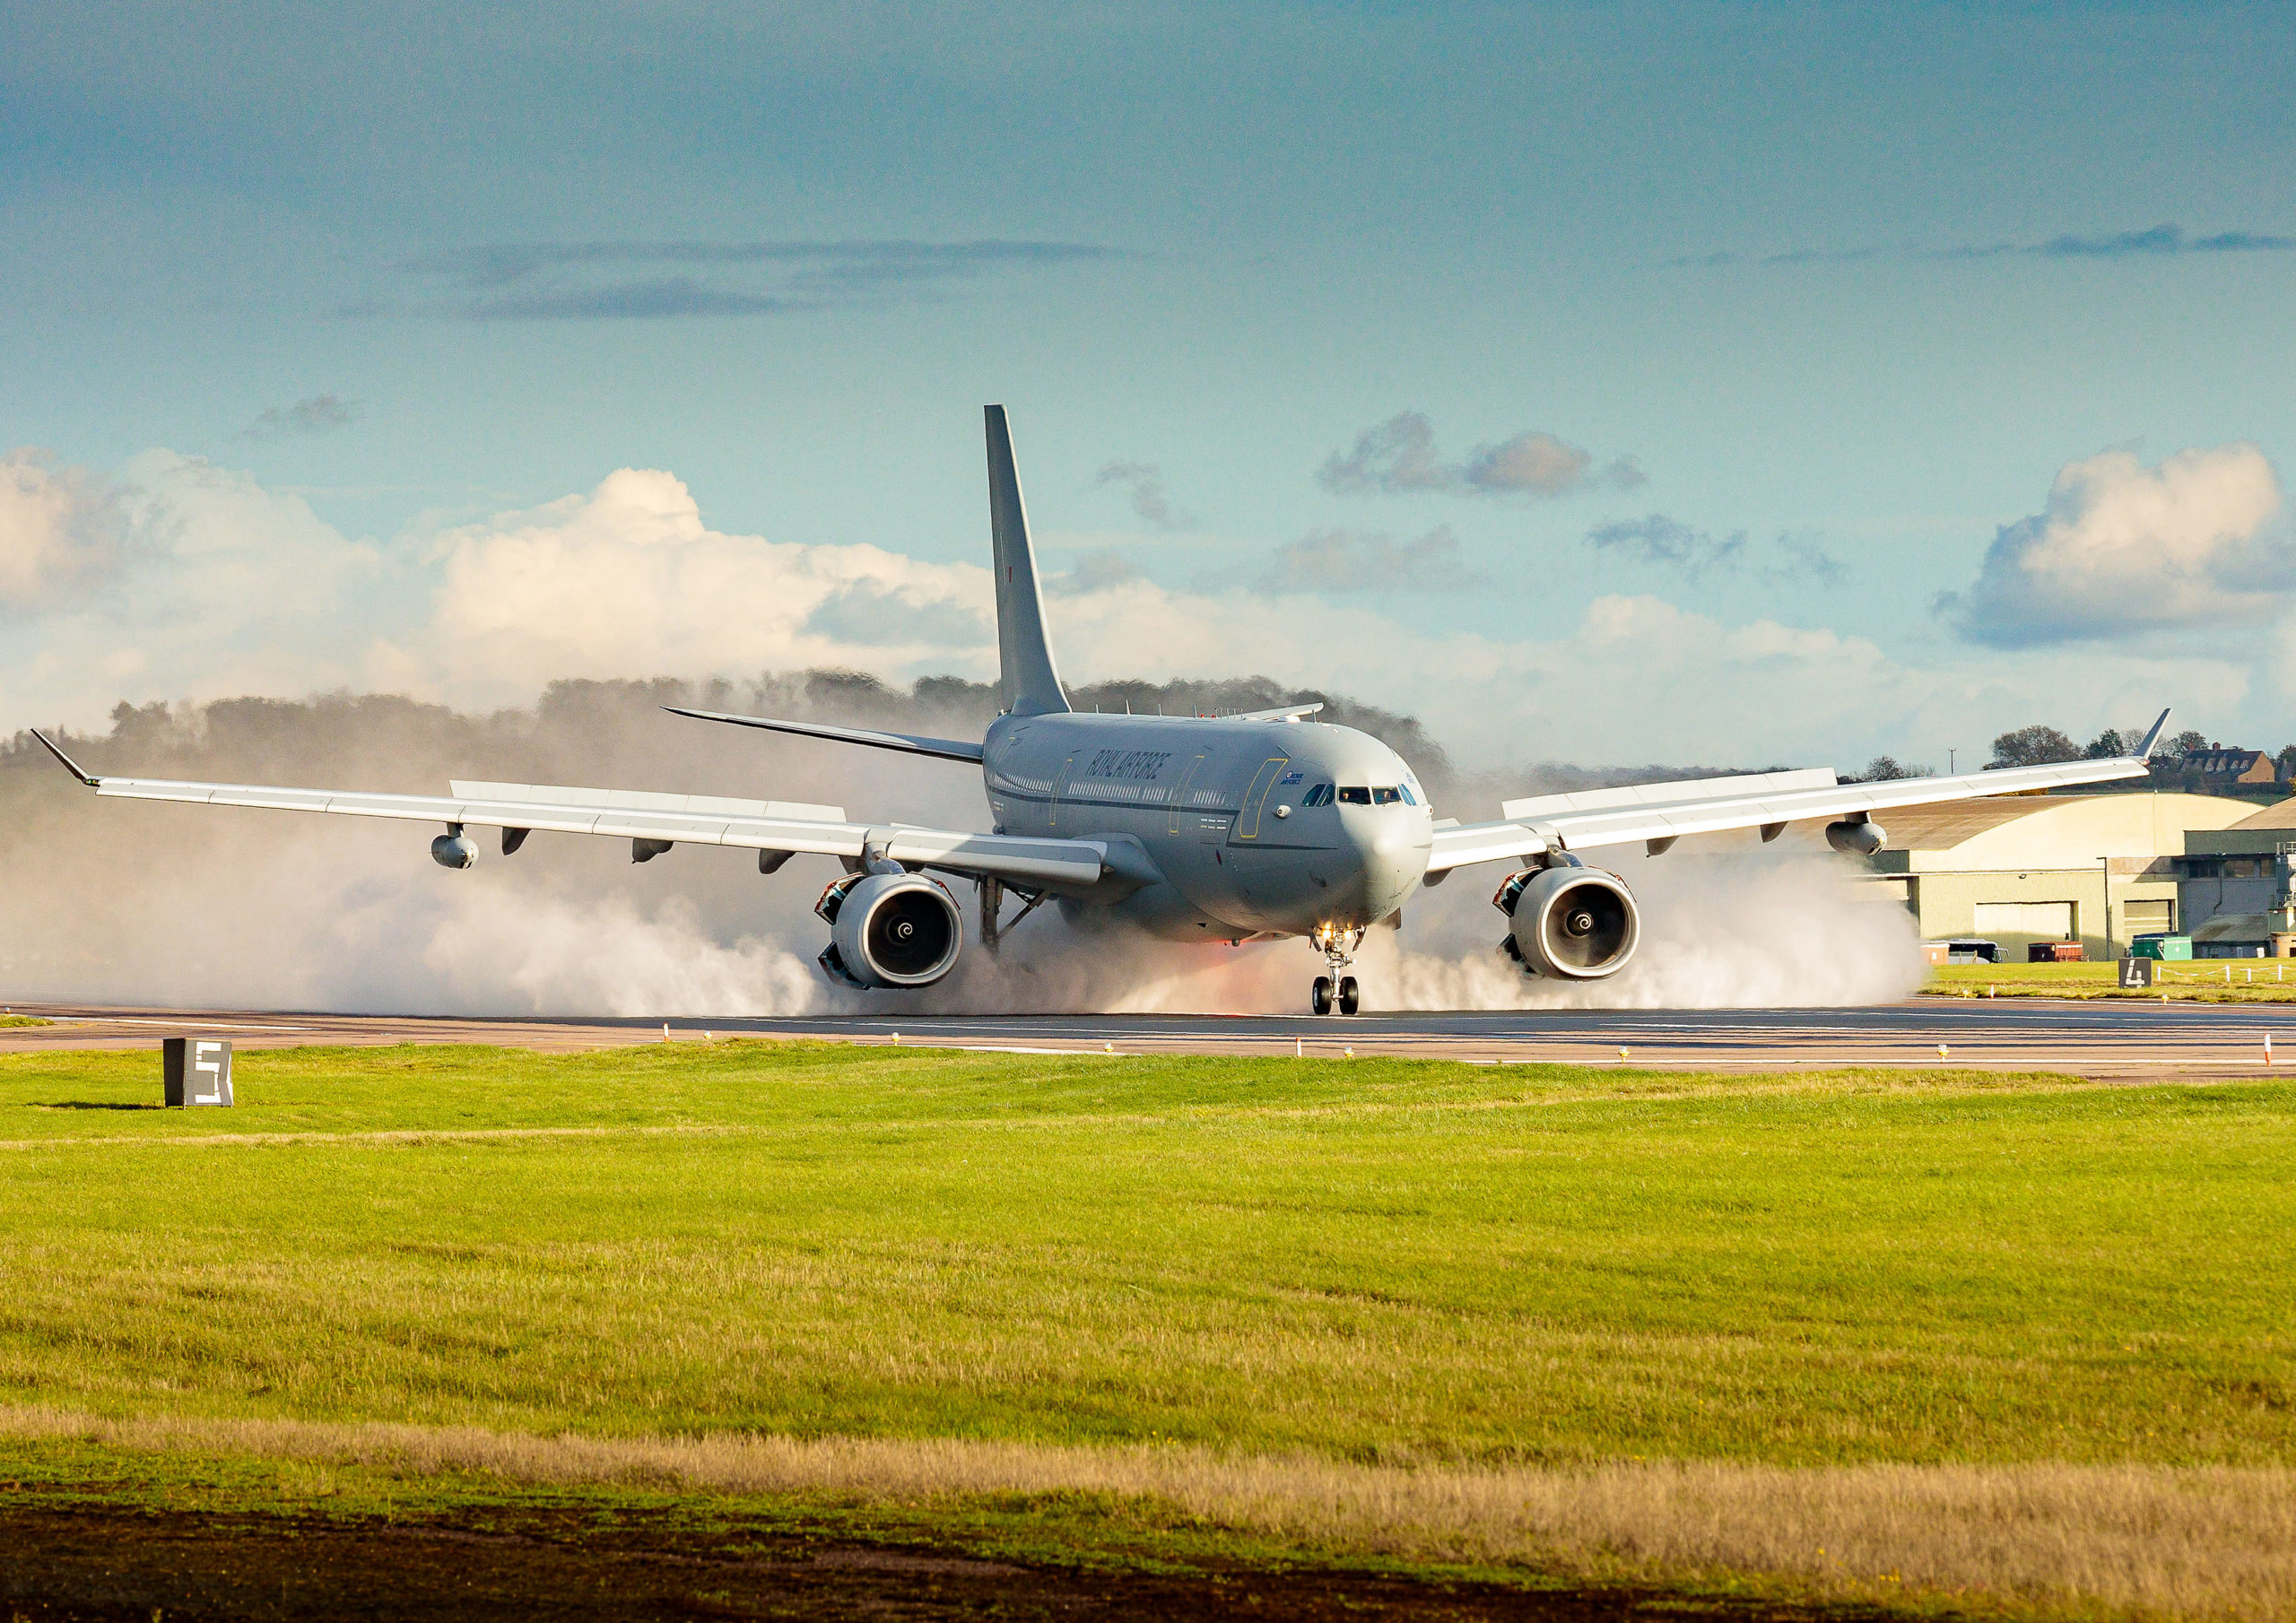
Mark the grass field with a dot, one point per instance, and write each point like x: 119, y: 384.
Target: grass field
x: 1554, y: 1321
x: 2207, y: 981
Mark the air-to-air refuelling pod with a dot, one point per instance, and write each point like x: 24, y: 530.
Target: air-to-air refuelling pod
x: 1858, y: 835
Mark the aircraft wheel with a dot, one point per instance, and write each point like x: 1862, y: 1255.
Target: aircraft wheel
x: 1347, y: 997
x: 1319, y: 994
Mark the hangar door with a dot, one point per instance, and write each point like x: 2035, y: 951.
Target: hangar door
x: 2050, y: 921
x: 2142, y: 916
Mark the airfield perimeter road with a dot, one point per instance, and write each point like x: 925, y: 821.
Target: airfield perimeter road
x: 2122, y: 1039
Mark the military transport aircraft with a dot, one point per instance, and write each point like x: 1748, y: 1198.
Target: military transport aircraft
x: 1213, y: 828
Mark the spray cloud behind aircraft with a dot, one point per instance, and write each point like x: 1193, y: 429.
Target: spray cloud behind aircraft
x: 292, y: 913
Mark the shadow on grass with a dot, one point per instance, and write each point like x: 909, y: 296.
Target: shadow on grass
x: 495, y: 1562
x: 88, y: 1105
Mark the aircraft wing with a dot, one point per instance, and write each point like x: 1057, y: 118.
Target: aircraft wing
x: 674, y: 819
x: 1661, y: 813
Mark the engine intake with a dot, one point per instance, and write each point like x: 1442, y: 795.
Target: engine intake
x: 1569, y: 923
x: 890, y: 930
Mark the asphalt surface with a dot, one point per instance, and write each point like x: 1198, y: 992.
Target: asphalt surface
x: 2129, y: 1039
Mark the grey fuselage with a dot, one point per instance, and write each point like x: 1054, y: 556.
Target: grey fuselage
x: 1223, y: 810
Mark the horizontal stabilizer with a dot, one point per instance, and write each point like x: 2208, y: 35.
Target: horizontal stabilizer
x: 1281, y: 713
x: 941, y: 748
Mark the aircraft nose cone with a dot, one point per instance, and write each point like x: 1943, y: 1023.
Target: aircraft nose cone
x: 1390, y: 857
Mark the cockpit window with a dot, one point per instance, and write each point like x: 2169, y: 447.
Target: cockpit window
x: 1320, y: 795
x: 1385, y: 797
x: 1355, y: 795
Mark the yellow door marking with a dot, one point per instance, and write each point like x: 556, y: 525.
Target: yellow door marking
x: 1178, y: 805
x: 1255, y: 797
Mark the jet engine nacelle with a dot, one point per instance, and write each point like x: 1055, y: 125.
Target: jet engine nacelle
x: 890, y: 930
x: 456, y: 850
x: 1570, y: 924
x: 1856, y: 837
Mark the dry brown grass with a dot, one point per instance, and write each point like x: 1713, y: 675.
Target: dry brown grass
x: 2133, y: 1541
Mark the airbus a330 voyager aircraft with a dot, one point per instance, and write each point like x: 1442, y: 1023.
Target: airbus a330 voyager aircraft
x: 1212, y: 829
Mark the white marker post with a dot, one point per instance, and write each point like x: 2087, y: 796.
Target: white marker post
x: 196, y: 1071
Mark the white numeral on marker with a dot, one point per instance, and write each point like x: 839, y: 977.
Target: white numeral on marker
x: 211, y: 1067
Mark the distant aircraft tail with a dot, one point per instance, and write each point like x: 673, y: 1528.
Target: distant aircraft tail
x: 1031, y: 686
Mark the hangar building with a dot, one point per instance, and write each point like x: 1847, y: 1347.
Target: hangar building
x: 2230, y: 878
x: 2049, y: 867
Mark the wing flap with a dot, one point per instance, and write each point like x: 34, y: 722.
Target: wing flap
x: 1679, y: 791
x: 1715, y: 817
x: 703, y: 806
x: 1481, y: 843
x: 1042, y: 861
x: 1594, y: 827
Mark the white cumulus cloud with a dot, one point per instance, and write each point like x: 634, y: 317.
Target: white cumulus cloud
x: 58, y: 526
x: 186, y: 581
x: 219, y: 587
x: 2195, y: 541
x: 629, y: 579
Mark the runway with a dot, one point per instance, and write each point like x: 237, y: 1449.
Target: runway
x: 2121, y: 1039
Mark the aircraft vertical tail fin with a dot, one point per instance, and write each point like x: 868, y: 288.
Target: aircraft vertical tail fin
x: 1031, y: 686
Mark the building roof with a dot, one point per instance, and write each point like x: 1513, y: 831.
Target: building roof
x: 2258, y: 834
x: 2216, y: 759
x: 2235, y: 927
x: 2048, y: 831
x: 1936, y: 828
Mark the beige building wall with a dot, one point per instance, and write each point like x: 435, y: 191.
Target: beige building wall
x: 1947, y: 904
x: 2106, y: 860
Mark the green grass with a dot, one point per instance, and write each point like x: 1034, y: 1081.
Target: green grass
x: 23, y: 1019
x: 2252, y: 981
x: 1377, y: 1259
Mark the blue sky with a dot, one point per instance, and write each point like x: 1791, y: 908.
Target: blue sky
x: 1741, y: 380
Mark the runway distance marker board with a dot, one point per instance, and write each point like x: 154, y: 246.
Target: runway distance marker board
x: 198, y: 1071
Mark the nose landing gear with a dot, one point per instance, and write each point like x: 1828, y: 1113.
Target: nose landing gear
x: 1335, y: 989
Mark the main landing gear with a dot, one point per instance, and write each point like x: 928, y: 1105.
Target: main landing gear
x: 1335, y: 989
x: 994, y: 928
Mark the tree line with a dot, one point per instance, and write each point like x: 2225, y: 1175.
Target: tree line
x: 2041, y: 746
